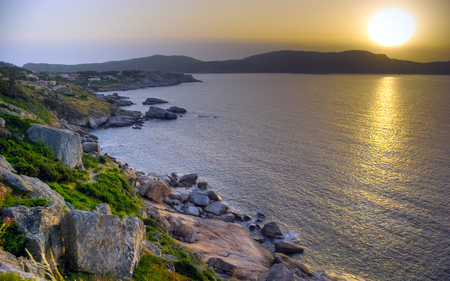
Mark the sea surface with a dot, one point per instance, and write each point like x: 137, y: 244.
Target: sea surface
x: 356, y: 167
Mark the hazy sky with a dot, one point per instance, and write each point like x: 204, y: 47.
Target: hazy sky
x: 72, y: 32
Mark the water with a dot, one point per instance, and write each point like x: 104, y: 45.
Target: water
x: 357, y: 165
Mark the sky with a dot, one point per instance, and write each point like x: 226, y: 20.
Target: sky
x: 81, y: 31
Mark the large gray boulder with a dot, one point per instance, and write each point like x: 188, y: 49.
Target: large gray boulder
x: 159, y: 113
x: 189, y: 179
x: 301, y: 269
x: 217, y: 208
x: 199, y: 199
x: 176, y: 109
x: 26, y: 268
x: 65, y: 144
x: 2, y: 122
x: 102, y: 244
x: 272, y: 230
x: 90, y: 147
x: 181, y: 194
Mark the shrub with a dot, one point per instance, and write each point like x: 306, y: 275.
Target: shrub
x: 89, y: 161
x: 13, y: 241
x: 186, y: 268
x: 151, y: 267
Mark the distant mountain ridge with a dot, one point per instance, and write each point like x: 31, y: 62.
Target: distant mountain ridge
x: 363, y: 62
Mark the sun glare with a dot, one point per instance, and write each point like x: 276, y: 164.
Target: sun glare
x: 391, y: 27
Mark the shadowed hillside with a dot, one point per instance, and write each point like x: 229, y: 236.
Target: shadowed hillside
x: 273, y: 62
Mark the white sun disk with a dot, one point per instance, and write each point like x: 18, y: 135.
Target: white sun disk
x: 391, y: 27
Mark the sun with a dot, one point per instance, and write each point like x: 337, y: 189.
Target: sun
x: 391, y: 27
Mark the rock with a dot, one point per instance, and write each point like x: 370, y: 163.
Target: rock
x: 202, y: 185
x: 221, y: 265
x: 96, y: 119
x: 224, y: 217
x: 272, y: 230
x: 23, y: 267
x: 214, y: 196
x: 177, y: 228
x: 152, y: 101
x: 279, y: 272
x: 157, y: 191
x: 217, y: 208
x: 192, y: 238
x: 123, y: 102
x: 41, y: 227
x: 103, y: 209
x: 102, y: 244
x: 176, y: 109
x: 4, y: 133
x: 192, y: 211
x: 90, y: 147
x: 181, y: 194
x: 65, y: 144
x: 2, y: 122
x: 149, y: 247
x: 253, y: 227
x: 189, y: 179
x: 199, y: 199
x: 124, y: 118
x: 301, y: 269
x: 159, y: 113
x: 288, y: 248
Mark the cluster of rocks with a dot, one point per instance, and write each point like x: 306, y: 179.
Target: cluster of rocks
x: 116, y: 100
x: 153, y: 101
x: 155, y: 112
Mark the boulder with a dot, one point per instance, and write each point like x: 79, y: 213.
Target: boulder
x: 2, y: 122
x: 91, y: 147
x: 202, y: 185
x: 152, y: 101
x: 123, y: 102
x: 65, y: 144
x: 102, y: 244
x: 288, y: 248
x: 214, y: 196
x: 272, y: 230
x: 301, y: 269
x: 192, y: 211
x: 176, y: 109
x: 41, y: 227
x: 156, y: 191
x: 177, y: 227
x: 149, y: 247
x: 189, y: 179
x: 4, y: 133
x: 181, y: 194
x: 26, y: 268
x: 220, y: 265
x: 279, y: 272
x: 159, y: 113
x: 217, y: 208
x: 199, y: 199
x: 97, y: 118
x: 224, y: 217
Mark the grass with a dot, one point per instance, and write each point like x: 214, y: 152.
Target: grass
x: 154, y: 268
x: 12, y: 276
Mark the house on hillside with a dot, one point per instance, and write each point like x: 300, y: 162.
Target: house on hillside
x: 62, y: 89
x: 29, y: 76
x: 41, y: 83
x: 64, y: 75
x: 109, y: 77
x: 94, y: 78
x: 38, y: 71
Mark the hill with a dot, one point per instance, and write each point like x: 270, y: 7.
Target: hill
x: 363, y: 62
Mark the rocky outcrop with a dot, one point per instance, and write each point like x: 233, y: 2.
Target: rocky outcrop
x: 39, y: 224
x: 189, y: 179
x: 99, y: 243
x: 65, y: 144
x: 116, y: 100
x: 153, y: 101
x: 27, y: 269
x: 124, y: 118
x: 14, y: 110
x: 225, y: 246
x: 159, y: 113
x: 155, y: 189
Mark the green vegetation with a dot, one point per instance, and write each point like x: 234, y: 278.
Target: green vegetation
x: 154, y: 268
x: 13, y: 241
x: 11, y: 276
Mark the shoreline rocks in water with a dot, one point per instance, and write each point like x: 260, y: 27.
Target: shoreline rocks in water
x: 159, y: 113
x: 153, y: 101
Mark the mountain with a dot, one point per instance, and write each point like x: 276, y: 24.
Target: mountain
x: 273, y: 62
